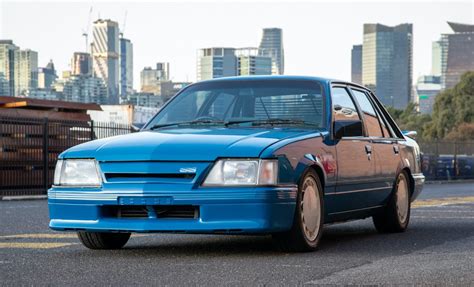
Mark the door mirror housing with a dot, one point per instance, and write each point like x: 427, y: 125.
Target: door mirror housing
x: 348, y: 128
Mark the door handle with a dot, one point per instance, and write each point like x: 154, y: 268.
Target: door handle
x: 368, y: 149
x: 395, y: 149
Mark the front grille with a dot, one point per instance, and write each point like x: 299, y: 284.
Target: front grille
x: 151, y: 211
x: 129, y: 176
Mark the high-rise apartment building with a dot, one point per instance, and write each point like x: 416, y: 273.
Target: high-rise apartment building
x: 81, y: 64
x: 271, y: 45
x: 216, y: 62
x: 453, y: 54
x: 26, y: 71
x: 387, y: 62
x: 356, y: 64
x: 126, y: 67
x: 105, y: 56
x: 249, y: 62
x: 46, y: 76
x: 7, y: 67
x: 85, y: 89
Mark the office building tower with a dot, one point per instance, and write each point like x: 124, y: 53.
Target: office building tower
x: 427, y: 88
x: 356, y: 64
x: 216, y: 62
x: 249, y: 62
x: 126, y: 67
x: 26, y: 71
x: 46, y: 76
x: 7, y: 67
x: 271, y: 45
x: 105, y: 56
x: 81, y: 64
x: 456, y: 54
x: 387, y: 62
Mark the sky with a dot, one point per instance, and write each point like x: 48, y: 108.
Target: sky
x: 318, y: 36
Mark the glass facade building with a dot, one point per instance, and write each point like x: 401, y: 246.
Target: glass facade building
x: 85, y: 89
x: 46, y: 76
x: 356, y: 64
x: 7, y: 67
x: 456, y: 54
x: 126, y: 67
x: 105, y: 56
x: 271, y: 45
x: 81, y: 64
x: 216, y: 63
x: 387, y: 62
x: 251, y: 63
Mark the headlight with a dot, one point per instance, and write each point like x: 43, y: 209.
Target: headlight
x: 243, y: 172
x: 77, y: 172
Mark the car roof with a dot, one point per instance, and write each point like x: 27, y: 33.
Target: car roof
x: 279, y: 78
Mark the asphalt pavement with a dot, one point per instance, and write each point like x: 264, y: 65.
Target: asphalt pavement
x: 437, y: 249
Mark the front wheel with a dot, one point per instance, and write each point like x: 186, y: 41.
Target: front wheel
x: 309, y: 217
x: 396, y: 215
x: 103, y: 240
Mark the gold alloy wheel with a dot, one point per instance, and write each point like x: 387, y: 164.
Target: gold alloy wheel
x: 402, y: 198
x: 310, y: 208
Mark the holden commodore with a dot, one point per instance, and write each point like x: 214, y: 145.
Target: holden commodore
x: 275, y: 155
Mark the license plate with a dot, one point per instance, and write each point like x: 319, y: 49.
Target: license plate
x: 142, y: 200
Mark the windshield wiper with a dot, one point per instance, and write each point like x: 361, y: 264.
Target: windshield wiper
x: 195, y: 122
x: 272, y: 122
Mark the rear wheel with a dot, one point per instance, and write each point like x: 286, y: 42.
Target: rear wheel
x: 308, y: 220
x: 103, y: 240
x: 396, y: 216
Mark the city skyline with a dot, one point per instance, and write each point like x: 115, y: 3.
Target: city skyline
x: 303, y: 54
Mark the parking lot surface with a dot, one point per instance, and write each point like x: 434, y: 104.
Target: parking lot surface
x: 438, y: 248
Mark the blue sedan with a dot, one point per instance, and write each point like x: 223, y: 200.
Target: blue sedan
x: 273, y: 155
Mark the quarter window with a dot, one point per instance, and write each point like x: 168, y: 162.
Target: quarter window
x: 370, y: 116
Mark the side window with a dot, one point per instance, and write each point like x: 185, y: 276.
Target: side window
x: 342, y: 105
x: 370, y: 116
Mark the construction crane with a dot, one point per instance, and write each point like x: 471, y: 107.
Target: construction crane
x: 85, y: 32
x: 122, y: 31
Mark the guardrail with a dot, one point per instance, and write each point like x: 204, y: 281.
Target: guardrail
x: 29, y: 149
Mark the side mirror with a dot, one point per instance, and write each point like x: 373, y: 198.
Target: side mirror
x: 348, y: 128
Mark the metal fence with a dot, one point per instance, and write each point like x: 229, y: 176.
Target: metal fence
x: 447, y: 160
x: 29, y: 149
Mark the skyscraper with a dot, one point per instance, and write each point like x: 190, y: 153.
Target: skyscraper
x: 126, y: 67
x: 105, y: 56
x: 26, y: 71
x: 7, y: 67
x: 46, y: 76
x: 81, y: 64
x: 249, y: 62
x: 216, y: 63
x: 271, y: 45
x: 356, y: 64
x: 387, y: 62
x: 456, y: 54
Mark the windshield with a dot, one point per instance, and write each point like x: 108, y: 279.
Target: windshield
x: 246, y: 102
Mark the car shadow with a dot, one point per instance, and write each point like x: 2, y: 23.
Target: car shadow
x: 348, y: 238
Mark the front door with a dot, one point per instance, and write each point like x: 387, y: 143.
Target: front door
x: 355, y: 163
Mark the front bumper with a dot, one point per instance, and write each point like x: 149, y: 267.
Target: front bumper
x: 419, y: 181
x: 221, y: 210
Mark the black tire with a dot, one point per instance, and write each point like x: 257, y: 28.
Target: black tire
x: 389, y: 220
x: 296, y: 239
x: 103, y: 240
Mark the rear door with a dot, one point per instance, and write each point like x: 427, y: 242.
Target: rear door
x: 355, y: 166
x: 385, y: 148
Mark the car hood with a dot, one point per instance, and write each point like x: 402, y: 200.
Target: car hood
x: 204, y: 144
